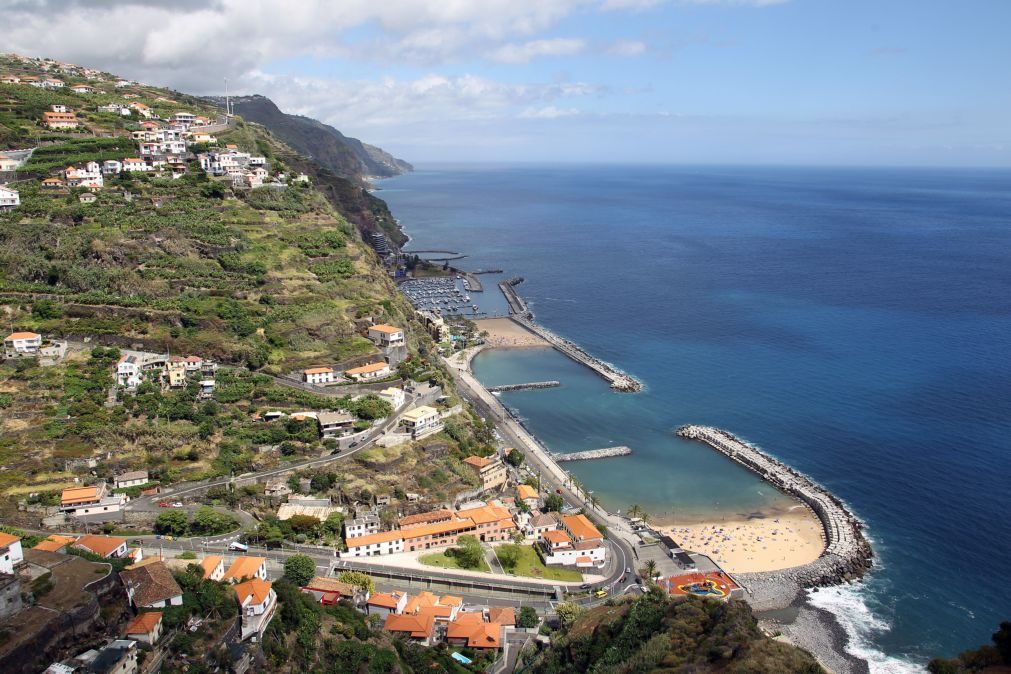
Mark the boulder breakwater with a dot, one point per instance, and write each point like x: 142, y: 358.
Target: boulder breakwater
x: 604, y: 453
x: 534, y: 385
x: 847, y: 555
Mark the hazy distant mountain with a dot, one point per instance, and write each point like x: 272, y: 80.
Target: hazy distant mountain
x: 347, y: 157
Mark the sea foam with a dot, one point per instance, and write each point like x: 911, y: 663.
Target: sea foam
x: 849, y: 605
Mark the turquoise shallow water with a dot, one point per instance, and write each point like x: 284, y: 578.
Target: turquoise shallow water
x: 854, y: 323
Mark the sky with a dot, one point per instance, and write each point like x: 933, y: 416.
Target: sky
x: 806, y: 82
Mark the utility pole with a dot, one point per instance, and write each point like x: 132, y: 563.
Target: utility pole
x: 228, y: 111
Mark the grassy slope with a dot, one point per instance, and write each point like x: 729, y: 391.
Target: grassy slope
x: 268, y: 280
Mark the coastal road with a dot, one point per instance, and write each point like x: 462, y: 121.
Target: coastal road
x: 553, y: 479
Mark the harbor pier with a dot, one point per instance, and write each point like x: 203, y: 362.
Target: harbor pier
x: 847, y: 555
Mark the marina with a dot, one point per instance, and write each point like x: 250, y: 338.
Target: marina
x: 440, y: 295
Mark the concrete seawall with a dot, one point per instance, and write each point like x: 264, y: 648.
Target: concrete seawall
x: 847, y: 554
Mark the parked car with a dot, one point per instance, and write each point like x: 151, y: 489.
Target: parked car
x: 600, y: 594
x: 177, y: 504
x: 585, y: 586
x: 163, y: 504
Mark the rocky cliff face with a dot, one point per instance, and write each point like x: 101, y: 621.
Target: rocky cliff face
x: 347, y: 157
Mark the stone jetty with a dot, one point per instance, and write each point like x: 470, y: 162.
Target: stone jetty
x: 847, y: 555
x: 618, y: 380
x: 520, y: 312
x: 589, y: 454
x: 525, y: 387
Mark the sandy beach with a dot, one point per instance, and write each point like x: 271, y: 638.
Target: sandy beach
x: 506, y: 333
x: 749, y: 545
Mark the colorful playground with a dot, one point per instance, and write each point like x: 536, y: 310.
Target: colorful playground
x: 712, y: 584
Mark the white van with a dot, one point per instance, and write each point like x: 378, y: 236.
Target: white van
x: 235, y: 545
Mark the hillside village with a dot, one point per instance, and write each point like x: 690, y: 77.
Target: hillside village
x: 228, y: 443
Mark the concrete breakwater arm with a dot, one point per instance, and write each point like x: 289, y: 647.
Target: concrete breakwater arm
x: 847, y: 554
x: 525, y: 387
x: 589, y: 454
x: 619, y: 380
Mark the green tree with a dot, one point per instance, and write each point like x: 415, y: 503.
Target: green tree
x: 171, y: 522
x: 299, y: 569
x: 468, y: 552
x: 303, y: 524
x: 635, y: 511
x: 334, y: 524
x: 508, y: 555
x: 515, y: 458
x: 527, y: 617
x: 46, y: 309
x: 358, y: 579
x: 207, y: 521
x: 554, y: 503
x: 568, y: 612
x: 650, y: 570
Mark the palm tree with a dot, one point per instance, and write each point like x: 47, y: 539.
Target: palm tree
x: 644, y: 517
x: 635, y: 511
x: 650, y: 570
x: 594, y: 501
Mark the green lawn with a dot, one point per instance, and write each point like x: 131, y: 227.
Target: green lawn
x: 441, y: 560
x: 530, y: 565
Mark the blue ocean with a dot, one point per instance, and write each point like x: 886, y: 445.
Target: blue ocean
x: 855, y: 323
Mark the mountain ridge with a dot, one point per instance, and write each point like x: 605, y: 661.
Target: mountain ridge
x: 345, y: 156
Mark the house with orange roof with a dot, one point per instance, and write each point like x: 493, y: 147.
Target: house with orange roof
x: 471, y: 630
x: 432, y: 517
x: 214, y: 567
x: 22, y: 344
x: 376, y: 370
x: 417, y: 628
x: 386, y: 336
x: 434, y: 605
x: 54, y: 543
x: 559, y: 547
x: 503, y: 615
x: 528, y: 495
x: 386, y: 603
x: 93, y: 500
x: 145, y: 628
x: 329, y: 591
x: 490, y: 470
x: 150, y: 584
x: 103, y: 546
x: 318, y: 375
x: 257, y: 602
x: 491, y: 522
x: 373, y: 545
x: 244, y: 568
x: 59, y: 120
x: 580, y: 528
x: 11, y: 554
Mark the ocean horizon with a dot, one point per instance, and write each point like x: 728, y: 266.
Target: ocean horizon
x: 849, y: 321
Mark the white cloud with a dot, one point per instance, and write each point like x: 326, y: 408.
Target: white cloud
x: 626, y: 48
x: 528, y: 51
x: 547, y: 112
x: 353, y: 105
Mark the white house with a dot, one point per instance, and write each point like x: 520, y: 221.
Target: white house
x: 557, y: 548
x: 22, y: 344
x: 257, y: 601
x: 9, y: 198
x: 94, y: 500
x: 183, y: 118
x: 111, y: 167
x: 194, y: 363
x: 103, y: 546
x: 82, y: 89
x: 145, y: 628
x: 386, y: 603
x: 132, y: 479
x: 394, y: 396
x: 244, y: 568
x: 11, y: 554
x: 128, y: 370
x: 422, y: 421
x: 377, y: 370
x: 366, y: 523
x: 318, y: 375
x: 386, y: 336
x: 135, y: 164
x: 374, y: 545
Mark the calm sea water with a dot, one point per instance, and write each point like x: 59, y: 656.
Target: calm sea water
x: 854, y: 323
